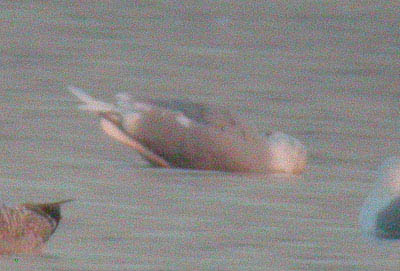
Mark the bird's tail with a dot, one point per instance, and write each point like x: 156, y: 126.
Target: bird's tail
x: 49, y: 204
x: 91, y: 104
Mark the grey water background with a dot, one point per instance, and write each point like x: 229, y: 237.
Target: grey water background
x: 326, y: 72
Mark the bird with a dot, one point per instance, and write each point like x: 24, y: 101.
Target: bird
x: 25, y: 228
x: 379, y: 217
x: 190, y: 135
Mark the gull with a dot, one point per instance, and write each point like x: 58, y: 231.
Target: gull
x: 25, y: 228
x: 185, y: 134
x: 380, y: 214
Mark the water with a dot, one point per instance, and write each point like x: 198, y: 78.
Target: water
x: 327, y: 74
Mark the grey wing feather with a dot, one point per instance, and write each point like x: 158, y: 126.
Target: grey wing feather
x: 220, y: 118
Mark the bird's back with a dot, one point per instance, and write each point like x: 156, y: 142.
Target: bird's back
x: 23, y: 230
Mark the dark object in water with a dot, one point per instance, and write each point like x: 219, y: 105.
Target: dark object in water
x: 388, y: 221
